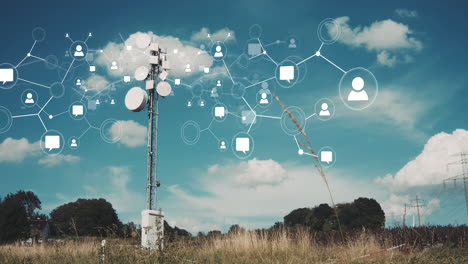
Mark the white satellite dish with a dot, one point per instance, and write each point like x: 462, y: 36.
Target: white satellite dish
x: 141, y: 73
x: 164, y: 89
x: 136, y: 99
x: 143, y: 41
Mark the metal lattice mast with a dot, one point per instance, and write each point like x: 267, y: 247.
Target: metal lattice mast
x: 153, y: 116
x: 463, y: 176
x: 417, y: 206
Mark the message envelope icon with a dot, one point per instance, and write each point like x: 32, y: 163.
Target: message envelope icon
x: 6, y: 75
x: 77, y: 110
x: 219, y: 111
x: 126, y: 79
x: 286, y: 73
x: 52, y: 142
x: 326, y: 156
x: 243, y: 144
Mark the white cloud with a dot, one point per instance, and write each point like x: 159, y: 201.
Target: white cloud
x: 15, y: 150
x: 225, y: 193
x: 220, y: 35
x: 253, y: 173
x: 128, y: 60
x: 396, y: 39
x: 394, y: 106
x: 430, y: 167
x: 406, y: 13
x: 130, y: 133
x: 395, y: 206
x: 95, y: 83
x: 52, y: 161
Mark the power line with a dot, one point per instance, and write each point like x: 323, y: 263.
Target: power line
x: 461, y: 177
x: 417, y: 206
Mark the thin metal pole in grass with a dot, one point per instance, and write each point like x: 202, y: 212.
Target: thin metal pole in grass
x: 312, y: 153
x: 103, y: 251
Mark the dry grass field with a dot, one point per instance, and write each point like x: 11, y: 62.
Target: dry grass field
x: 244, y: 247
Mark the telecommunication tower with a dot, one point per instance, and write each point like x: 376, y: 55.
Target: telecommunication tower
x: 136, y: 100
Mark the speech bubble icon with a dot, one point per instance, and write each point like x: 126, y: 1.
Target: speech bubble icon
x: 243, y: 144
x: 52, y: 142
x: 219, y: 111
x: 77, y: 110
x: 326, y: 156
x: 286, y: 73
x: 126, y: 79
x: 6, y: 75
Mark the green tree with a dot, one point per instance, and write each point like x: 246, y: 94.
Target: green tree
x: 86, y: 217
x: 16, y: 211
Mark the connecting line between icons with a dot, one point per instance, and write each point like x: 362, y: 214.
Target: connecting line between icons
x: 297, y: 143
x: 248, y: 105
x: 310, y: 116
x: 227, y: 69
x: 304, y: 60
x: 273, y: 117
x: 332, y: 63
x: 68, y: 71
x: 42, y: 122
x: 265, y: 52
x: 38, y: 84
x: 259, y: 82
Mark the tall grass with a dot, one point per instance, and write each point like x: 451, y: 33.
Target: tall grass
x: 285, y: 246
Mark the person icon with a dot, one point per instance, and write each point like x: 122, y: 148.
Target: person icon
x: 202, y: 47
x: 29, y: 99
x: 73, y: 143
x: 218, y: 52
x: 214, y: 92
x: 218, y: 83
x: 112, y: 101
x: 292, y: 43
x: 187, y: 68
x: 324, y: 111
x: 358, y: 94
x: 223, y: 145
x: 264, y: 99
x: 189, y: 104
x: 114, y: 66
x: 78, y: 82
x: 78, y: 51
x: 97, y: 101
x: 202, y: 103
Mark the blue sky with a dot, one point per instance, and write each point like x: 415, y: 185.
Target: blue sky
x: 391, y: 151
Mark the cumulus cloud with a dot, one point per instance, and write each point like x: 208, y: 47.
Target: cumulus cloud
x: 16, y: 150
x: 253, y: 173
x: 430, y: 166
x: 226, y: 193
x: 96, y: 83
x: 392, y: 41
x: 224, y: 34
x: 395, y: 106
x: 130, y: 133
x: 395, y: 205
x: 53, y: 161
x: 406, y: 13
x: 128, y: 56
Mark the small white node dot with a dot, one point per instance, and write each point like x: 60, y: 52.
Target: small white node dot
x: 244, y: 118
x: 51, y: 116
x: 300, y: 151
x: 29, y: 54
x: 317, y: 53
x: 264, y: 52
